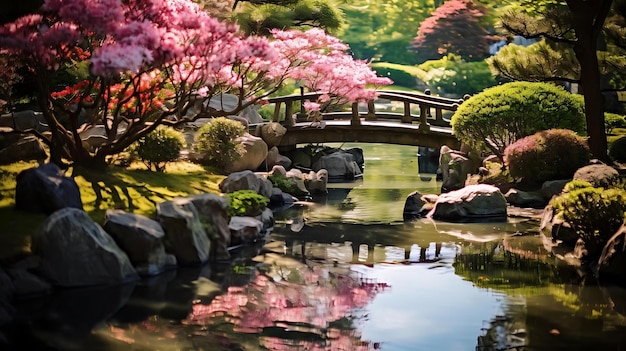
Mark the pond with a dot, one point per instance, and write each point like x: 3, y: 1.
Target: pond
x: 347, y: 273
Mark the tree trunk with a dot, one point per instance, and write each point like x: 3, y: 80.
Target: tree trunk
x: 588, y: 20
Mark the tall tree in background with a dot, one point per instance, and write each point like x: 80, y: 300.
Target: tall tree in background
x: 454, y: 28
x: 261, y: 16
x: 579, y: 24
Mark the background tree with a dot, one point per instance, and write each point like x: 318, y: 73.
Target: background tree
x: 454, y: 28
x: 142, y: 71
x: 260, y: 17
x: 578, y: 24
x: 382, y: 30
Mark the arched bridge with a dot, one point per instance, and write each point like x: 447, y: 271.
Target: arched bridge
x: 396, y: 117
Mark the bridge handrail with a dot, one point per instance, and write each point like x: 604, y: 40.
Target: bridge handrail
x: 426, y: 102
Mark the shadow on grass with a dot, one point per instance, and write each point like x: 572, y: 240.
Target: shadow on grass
x: 132, y: 190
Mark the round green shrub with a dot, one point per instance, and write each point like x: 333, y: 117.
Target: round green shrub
x: 159, y: 147
x: 595, y: 214
x: 546, y: 155
x: 246, y: 203
x: 612, y: 121
x: 498, y: 116
x: 617, y: 151
x: 217, y: 142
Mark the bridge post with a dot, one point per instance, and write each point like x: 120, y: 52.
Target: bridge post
x: 406, y: 117
x: 356, y: 119
x: 371, y: 112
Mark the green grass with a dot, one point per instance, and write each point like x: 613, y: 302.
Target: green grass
x: 133, y: 189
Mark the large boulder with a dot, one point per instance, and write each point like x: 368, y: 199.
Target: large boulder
x: 599, y: 175
x: 24, y: 120
x: 272, y: 133
x: 24, y: 149
x: 245, y: 229
x: 417, y: 205
x: 556, y: 228
x: 6, y: 293
x: 340, y: 165
x: 255, y: 154
x: 316, y: 182
x: 213, y: 214
x: 246, y: 180
x: 184, y: 235
x: 550, y: 188
x: 274, y: 158
x: 140, y: 237
x: 46, y: 189
x: 520, y: 198
x: 76, y: 251
x: 473, y: 202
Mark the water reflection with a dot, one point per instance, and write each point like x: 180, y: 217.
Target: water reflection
x: 347, y: 274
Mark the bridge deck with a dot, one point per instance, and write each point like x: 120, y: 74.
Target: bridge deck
x: 370, y: 132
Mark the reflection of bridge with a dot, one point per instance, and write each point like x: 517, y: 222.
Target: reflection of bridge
x: 396, y: 117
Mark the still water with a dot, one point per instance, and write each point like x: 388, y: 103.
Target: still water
x: 347, y: 273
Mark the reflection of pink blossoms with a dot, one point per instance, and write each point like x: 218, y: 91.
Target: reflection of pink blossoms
x: 320, y: 299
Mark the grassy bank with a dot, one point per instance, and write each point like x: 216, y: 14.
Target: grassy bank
x: 133, y: 189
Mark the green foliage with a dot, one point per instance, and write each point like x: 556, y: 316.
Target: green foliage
x: 246, y: 203
x: 217, y: 142
x: 617, y: 150
x: 283, y: 183
x: 159, y: 147
x: 492, y: 120
x: 259, y: 17
x: 547, y: 155
x: 612, y: 121
x: 399, y: 76
x: 594, y: 213
x: 451, y: 75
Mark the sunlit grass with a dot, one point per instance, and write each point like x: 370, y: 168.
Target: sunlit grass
x: 133, y: 189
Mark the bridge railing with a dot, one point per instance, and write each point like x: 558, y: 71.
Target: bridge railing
x: 421, y: 108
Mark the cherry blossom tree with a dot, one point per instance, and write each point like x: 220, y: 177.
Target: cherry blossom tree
x: 153, y: 62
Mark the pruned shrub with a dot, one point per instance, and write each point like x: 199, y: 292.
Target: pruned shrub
x: 546, y: 155
x: 617, y: 151
x: 217, y: 143
x: 246, y: 203
x: 159, y: 147
x: 612, y: 121
x: 285, y: 184
x: 492, y: 120
x: 595, y: 214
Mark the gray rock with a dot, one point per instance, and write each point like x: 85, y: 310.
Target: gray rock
x: 45, y: 189
x: 317, y: 182
x: 255, y: 154
x: 274, y: 158
x: 25, y: 149
x: 246, y: 180
x: 76, y: 251
x: 413, y: 205
x: 267, y: 218
x: 213, y: 214
x: 551, y: 188
x: 339, y: 165
x: 184, y: 235
x: 521, y: 198
x: 599, y: 175
x: 455, y: 167
x: 6, y: 293
x: 473, y: 202
x: 24, y: 120
x: 27, y: 284
x: 555, y: 228
x: 140, y: 237
x: 272, y: 133
x: 244, y: 229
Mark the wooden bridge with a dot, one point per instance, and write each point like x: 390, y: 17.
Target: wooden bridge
x: 396, y: 117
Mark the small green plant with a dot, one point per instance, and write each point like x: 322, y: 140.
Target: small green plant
x: 283, y: 183
x: 612, y: 121
x: 617, y: 150
x: 546, y: 155
x: 495, y: 118
x: 246, y: 203
x: 594, y: 213
x: 159, y: 147
x: 217, y: 142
